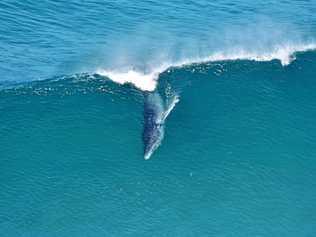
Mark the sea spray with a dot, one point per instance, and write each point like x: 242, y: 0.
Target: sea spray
x: 147, y: 81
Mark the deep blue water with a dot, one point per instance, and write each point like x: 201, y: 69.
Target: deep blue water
x: 237, y: 151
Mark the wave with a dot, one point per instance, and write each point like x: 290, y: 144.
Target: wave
x: 147, y: 81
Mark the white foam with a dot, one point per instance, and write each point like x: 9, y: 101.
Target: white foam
x: 283, y: 53
x: 148, y: 81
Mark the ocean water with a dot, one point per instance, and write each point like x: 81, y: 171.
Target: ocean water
x: 157, y: 118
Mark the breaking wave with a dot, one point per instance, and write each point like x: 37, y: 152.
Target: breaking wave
x: 147, y: 81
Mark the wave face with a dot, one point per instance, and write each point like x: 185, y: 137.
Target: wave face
x: 73, y: 147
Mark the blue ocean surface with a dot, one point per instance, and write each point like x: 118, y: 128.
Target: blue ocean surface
x: 157, y: 118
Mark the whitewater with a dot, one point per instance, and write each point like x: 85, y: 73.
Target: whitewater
x: 147, y: 81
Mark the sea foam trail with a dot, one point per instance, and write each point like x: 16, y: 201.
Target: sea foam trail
x: 148, y: 81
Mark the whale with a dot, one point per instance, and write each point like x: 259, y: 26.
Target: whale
x: 153, y: 131
x: 155, y: 114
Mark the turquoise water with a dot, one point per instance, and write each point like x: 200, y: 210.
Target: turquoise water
x: 235, y: 156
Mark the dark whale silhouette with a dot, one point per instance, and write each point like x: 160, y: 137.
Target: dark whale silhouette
x: 155, y: 115
x: 153, y: 128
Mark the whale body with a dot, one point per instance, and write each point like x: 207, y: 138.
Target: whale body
x: 155, y: 114
x: 153, y: 123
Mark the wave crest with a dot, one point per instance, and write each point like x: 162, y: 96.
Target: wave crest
x: 143, y: 81
x: 147, y: 81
